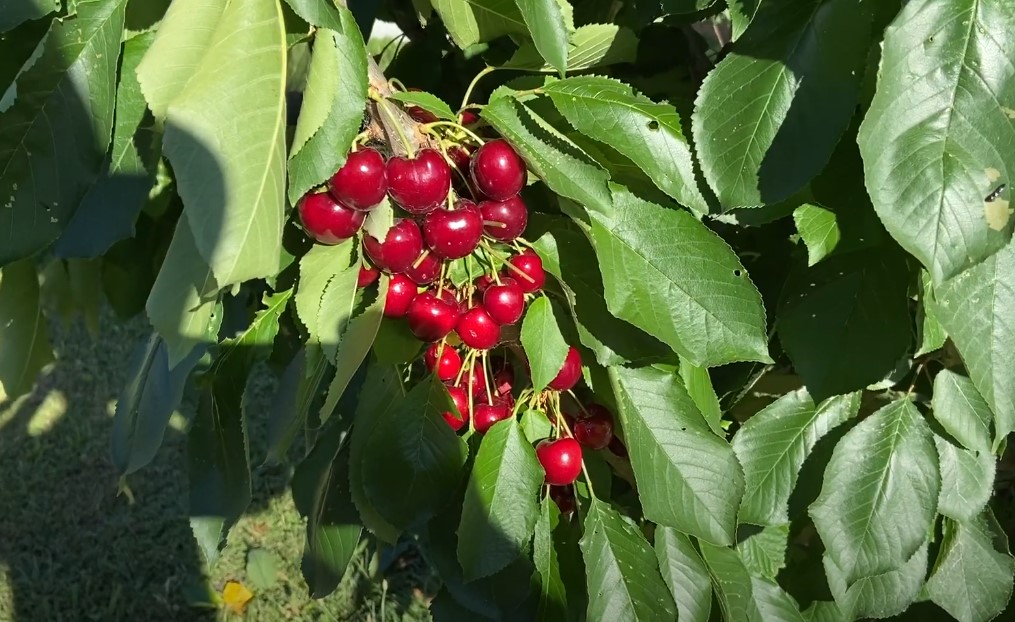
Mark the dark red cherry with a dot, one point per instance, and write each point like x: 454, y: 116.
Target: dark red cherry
x: 504, y: 302
x: 401, y: 246
x: 421, y: 184
x: 504, y: 379
x: 504, y: 220
x: 431, y: 318
x: 475, y: 380
x: 328, y: 221
x: 482, y: 282
x: 563, y: 496
x: 425, y: 271
x: 485, y: 415
x: 460, y: 398
x: 531, y: 266
x: 468, y: 117
x: 401, y: 293
x: 477, y: 329
x: 367, y: 276
x: 561, y: 460
x: 361, y: 183
x: 443, y: 360
x: 595, y: 429
x: 459, y: 156
x: 497, y: 170
x: 569, y: 373
x: 453, y: 234
x: 419, y: 114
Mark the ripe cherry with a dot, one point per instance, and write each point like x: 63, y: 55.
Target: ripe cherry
x: 563, y: 496
x: 569, y: 373
x: 431, y: 318
x: 503, y: 379
x: 426, y: 271
x: 401, y: 293
x: 361, y: 183
x: 400, y: 248
x: 367, y: 276
x: 453, y: 234
x: 594, y: 429
x: 475, y: 380
x: 561, y: 460
x: 421, y: 184
x: 505, y: 302
x: 504, y: 220
x: 459, y: 156
x: 468, y: 117
x: 461, y: 401
x: 420, y: 114
x: 328, y: 221
x: 477, y: 329
x: 449, y: 363
x: 497, y: 170
x: 486, y: 415
x: 530, y: 265
x: 482, y: 282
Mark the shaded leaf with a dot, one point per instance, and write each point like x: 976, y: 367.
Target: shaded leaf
x: 24, y: 336
x: 543, y: 341
x: 426, y: 101
x: 764, y: 553
x: 322, y: 13
x: 731, y: 582
x: 298, y: 389
x: 477, y: 21
x: 548, y: 29
x: 14, y: 12
x: 699, y: 386
x: 684, y: 573
x: 932, y: 335
x: 881, y: 595
x: 962, y: 411
x: 967, y: 480
x: 552, y: 591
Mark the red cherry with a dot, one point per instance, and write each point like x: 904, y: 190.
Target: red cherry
x: 401, y: 246
x: 529, y: 264
x: 419, y: 114
x: 497, y: 170
x: 426, y: 272
x: 367, y: 276
x: 488, y: 414
x: 453, y: 234
x: 468, y: 117
x: 561, y: 460
x: 328, y: 221
x: 361, y: 183
x: 449, y: 364
x: 563, y: 496
x: 618, y: 447
x: 594, y: 430
x: 504, y: 220
x: 459, y: 156
x: 431, y: 318
x: 475, y: 379
x: 504, y: 379
x: 505, y: 302
x: 421, y: 184
x: 461, y: 401
x: 477, y: 329
x: 401, y: 293
x: 482, y: 282
x: 569, y: 373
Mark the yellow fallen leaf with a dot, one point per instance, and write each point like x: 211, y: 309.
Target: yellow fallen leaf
x: 235, y: 595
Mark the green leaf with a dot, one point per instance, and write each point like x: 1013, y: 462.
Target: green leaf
x: 699, y: 386
x: 773, y: 603
x: 731, y: 582
x: 535, y: 426
x: 624, y: 583
x: 975, y: 310
x: 298, y: 389
x: 216, y: 75
x: 332, y: 110
x: 967, y: 480
x: 320, y: 488
x: 768, y: 117
x: 395, y: 343
x: 552, y: 591
x: 321, y: 13
x: 669, y: 275
x: 476, y: 21
x: 932, y: 335
x: 880, y: 493
x: 412, y: 460
x: 543, y: 341
x: 426, y: 101
x: 938, y: 138
x: 53, y: 138
x: 688, y: 478
x: 972, y: 579
x: 764, y: 552
x: 501, y: 505
x: 881, y: 595
x: 646, y: 132
x: 318, y: 269
x: 845, y: 323
x: 962, y: 411
x: 773, y: 445
x: 15, y: 12
x: 262, y: 568
x: 545, y: 22
x: 558, y: 162
x: 592, y: 45
x: 685, y: 574
x: 818, y: 229
x: 24, y: 336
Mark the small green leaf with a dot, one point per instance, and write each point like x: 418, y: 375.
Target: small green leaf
x: 545, y: 22
x: 262, y: 568
x: 543, y: 341
x: 426, y: 101
x: 24, y: 336
x: 932, y: 335
x: 535, y: 426
x: 476, y: 21
x: 552, y: 591
x: 731, y: 582
x: 881, y: 595
x: 685, y: 574
x: 967, y: 480
x: 592, y: 45
x: 818, y: 229
x: 773, y: 603
x: 321, y: 13
x: 962, y: 411
x: 764, y: 552
x: 699, y: 387
x: 318, y: 268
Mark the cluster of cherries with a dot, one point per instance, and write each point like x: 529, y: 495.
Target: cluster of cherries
x: 440, y: 226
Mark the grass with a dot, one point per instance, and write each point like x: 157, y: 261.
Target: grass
x: 71, y: 548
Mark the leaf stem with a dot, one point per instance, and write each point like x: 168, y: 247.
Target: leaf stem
x: 429, y: 126
x: 472, y: 85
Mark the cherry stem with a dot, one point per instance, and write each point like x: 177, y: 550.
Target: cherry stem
x: 429, y: 126
x: 507, y: 263
x: 571, y: 393
x: 421, y: 259
x: 486, y: 379
x: 472, y: 85
x: 494, y: 223
x: 397, y: 83
x: 383, y: 104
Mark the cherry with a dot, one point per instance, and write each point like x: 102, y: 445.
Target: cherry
x: 459, y: 156
x: 504, y: 379
x: 419, y: 114
x: 401, y: 293
x: 486, y: 415
x: 505, y: 302
x: 504, y: 220
x: 361, y: 183
x: 563, y: 496
x: 477, y: 329
x: 569, y: 373
x: 426, y: 271
x: 421, y: 184
x: 497, y: 170
x: 594, y: 430
x: 561, y: 460
x: 367, y: 276
x: 468, y: 117
x: 400, y: 248
x: 482, y: 282
x: 453, y: 234
x: 449, y: 364
x: 529, y: 264
x: 431, y: 318
x: 328, y: 221
x: 461, y: 401
x: 476, y: 380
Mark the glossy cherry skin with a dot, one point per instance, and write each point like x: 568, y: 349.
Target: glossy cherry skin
x: 468, y: 117
x: 503, y: 380
x: 563, y: 496
x: 505, y: 302
x: 426, y: 271
x: 461, y: 401
x: 594, y: 430
x: 401, y: 293
x: 367, y: 276
x: 485, y: 415
x: 449, y: 363
x: 497, y: 170
x: 328, y: 221
x: 431, y: 318
x: 561, y: 460
x: 453, y: 234
x: 460, y: 156
x: 569, y: 373
x: 475, y: 380
x: 419, y: 114
x: 482, y: 282
x: 530, y: 265
x: 419, y: 185
x: 401, y: 246
x: 362, y: 182
x: 504, y: 220
x: 477, y: 329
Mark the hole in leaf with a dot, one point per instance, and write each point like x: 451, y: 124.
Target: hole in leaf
x: 737, y: 272
x: 653, y: 125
